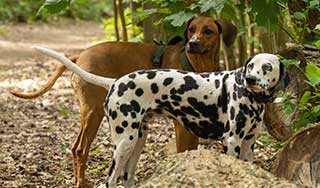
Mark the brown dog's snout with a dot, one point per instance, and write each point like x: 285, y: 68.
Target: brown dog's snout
x: 194, y: 44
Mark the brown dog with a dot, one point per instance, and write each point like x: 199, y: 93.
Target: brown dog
x: 115, y: 59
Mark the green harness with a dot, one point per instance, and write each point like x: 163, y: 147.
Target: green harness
x: 186, y: 65
x: 157, y: 58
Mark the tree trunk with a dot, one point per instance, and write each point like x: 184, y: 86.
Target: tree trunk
x: 229, y: 57
x: 115, y: 15
x: 267, y: 40
x: 242, y: 41
x: 134, y: 21
x: 122, y: 20
x: 299, y: 160
x: 281, y: 39
x: 276, y: 120
x: 147, y: 26
x: 252, y: 35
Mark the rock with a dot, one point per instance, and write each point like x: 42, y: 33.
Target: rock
x: 207, y: 168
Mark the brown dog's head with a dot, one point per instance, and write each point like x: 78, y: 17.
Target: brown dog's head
x: 202, y: 34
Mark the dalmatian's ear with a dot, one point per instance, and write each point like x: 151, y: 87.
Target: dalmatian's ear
x: 245, y: 65
x: 186, y: 31
x: 240, y: 75
x: 284, y: 77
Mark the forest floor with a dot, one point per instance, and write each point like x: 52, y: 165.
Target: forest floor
x: 36, y: 135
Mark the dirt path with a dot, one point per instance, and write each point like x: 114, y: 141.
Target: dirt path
x: 36, y: 135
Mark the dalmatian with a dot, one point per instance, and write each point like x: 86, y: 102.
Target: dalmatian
x: 227, y: 105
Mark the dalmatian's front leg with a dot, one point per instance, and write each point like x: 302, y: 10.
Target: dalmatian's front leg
x: 121, y: 155
x: 249, y: 140
x: 128, y: 174
x: 232, y: 145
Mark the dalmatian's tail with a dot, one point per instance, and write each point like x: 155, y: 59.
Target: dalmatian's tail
x: 94, y: 79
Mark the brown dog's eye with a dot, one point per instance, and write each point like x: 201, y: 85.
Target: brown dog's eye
x: 191, y: 30
x: 208, y: 31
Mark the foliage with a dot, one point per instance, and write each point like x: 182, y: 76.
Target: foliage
x: 309, y: 103
x: 133, y: 30
x: 99, y: 168
x: 30, y: 10
x: 301, y: 19
x: 54, y: 6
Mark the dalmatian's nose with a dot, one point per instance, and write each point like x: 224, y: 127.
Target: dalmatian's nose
x: 251, y: 80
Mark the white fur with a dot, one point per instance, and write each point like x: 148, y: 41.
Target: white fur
x: 94, y: 79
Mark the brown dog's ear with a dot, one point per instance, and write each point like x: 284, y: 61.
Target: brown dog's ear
x: 219, y: 26
x: 229, y: 31
x: 186, y: 31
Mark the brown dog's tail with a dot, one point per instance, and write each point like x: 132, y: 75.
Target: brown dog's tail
x: 87, y: 76
x: 56, y: 74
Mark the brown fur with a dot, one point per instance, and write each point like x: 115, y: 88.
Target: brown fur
x: 114, y: 59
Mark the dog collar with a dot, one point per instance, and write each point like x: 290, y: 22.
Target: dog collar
x: 262, y: 97
x: 186, y: 65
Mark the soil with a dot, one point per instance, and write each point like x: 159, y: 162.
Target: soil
x: 36, y: 135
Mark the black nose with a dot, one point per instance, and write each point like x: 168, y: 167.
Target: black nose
x: 251, y: 80
x: 193, y: 44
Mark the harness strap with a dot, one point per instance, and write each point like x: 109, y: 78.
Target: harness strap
x: 186, y: 65
x: 157, y: 58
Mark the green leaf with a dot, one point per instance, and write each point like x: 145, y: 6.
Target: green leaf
x: 95, y: 151
x: 217, y: 5
x: 63, y: 148
x: 60, y: 177
x: 98, y: 169
x: 299, y: 16
x: 314, y: 4
x: 305, y: 98
x: 313, y: 74
x: 64, y: 112
x: 143, y: 14
x: 289, y: 108
x: 316, y: 94
x: 54, y: 6
x: 288, y: 62
x: 317, y: 43
x: 315, y: 111
x: 164, y: 10
x: 229, y: 12
x: 267, y: 13
x: 179, y: 18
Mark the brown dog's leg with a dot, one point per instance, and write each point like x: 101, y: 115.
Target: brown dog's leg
x: 93, y: 117
x: 184, y: 139
x: 90, y: 120
x: 91, y: 113
x: 74, y: 156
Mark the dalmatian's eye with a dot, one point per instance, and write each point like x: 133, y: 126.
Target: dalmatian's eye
x: 267, y: 67
x: 208, y: 31
x: 250, y: 66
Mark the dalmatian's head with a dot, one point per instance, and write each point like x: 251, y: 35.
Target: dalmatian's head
x: 264, y: 72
